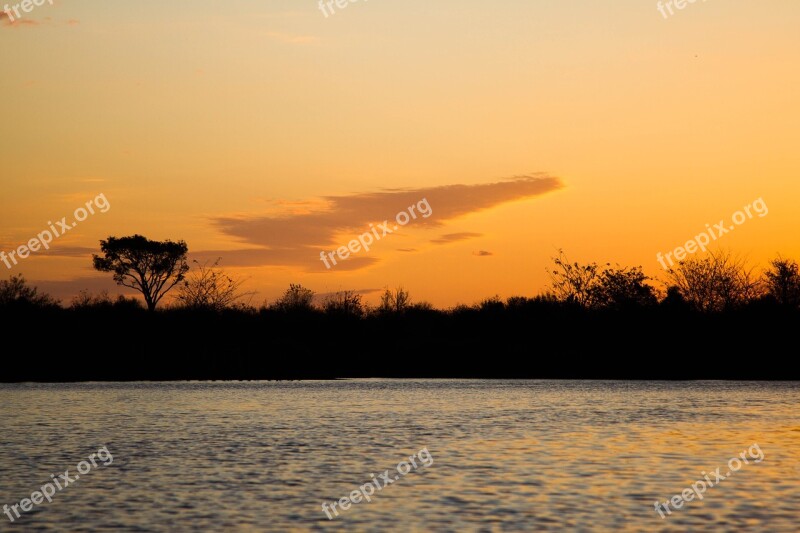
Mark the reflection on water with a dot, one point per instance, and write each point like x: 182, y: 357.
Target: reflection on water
x: 507, y: 455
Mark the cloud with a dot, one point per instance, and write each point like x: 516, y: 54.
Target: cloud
x: 303, y: 256
x: 20, y: 22
x: 54, y: 251
x: 455, y: 237
x: 482, y: 253
x: 23, y: 19
x: 297, y: 238
x: 406, y: 249
x: 70, y: 251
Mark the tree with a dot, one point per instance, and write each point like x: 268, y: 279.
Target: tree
x: 572, y: 282
x: 491, y: 305
x: 150, y: 267
x: 395, y: 301
x: 345, y: 303
x: 717, y: 282
x: 674, y: 301
x: 592, y: 286
x: 296, y: 298
x: 209, y: 287
x: 783, y: 281
x: 623, y: 288
x: 16, y: 291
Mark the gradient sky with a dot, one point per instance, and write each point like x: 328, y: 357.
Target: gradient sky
x: 263, y: 132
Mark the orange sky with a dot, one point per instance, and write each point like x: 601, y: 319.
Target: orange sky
x: 266, y: 133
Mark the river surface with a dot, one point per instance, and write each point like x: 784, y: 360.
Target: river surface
x: 489, y: 455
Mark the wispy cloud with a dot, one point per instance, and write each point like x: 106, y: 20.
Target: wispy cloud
x: 455, y: 237
x: 24, y: 22
x: 482, y: 253
x: 5, y: 20
x: 70, y: 251
x: 54, y: 251
x: 302, y: 256
x: 296, y: 238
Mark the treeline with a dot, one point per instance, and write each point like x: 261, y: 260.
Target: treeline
x: 718, y: 282
x: 714, y: 319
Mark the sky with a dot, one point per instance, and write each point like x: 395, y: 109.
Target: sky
x: 266, y: 133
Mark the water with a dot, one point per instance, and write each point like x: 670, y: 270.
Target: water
x: 507, y: 456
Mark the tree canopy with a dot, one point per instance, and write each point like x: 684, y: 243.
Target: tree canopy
x: 150, y: 267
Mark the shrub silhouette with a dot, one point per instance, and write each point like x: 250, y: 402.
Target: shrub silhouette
x: 296, y: 298
x: 15, y: 292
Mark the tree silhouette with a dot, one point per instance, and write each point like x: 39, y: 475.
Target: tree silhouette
x: 296, y: 298
x: 15, y: 291
x: 150, y: 267
x: 209, y: 287
x: 623, y: 288
x: 572, y: 282
x: 783, y: 281
x: 395, y: 301
x: 718, y: 282
x: 593, y: 286
x: 344, y: 303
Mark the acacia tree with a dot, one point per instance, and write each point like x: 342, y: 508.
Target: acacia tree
x: 150, y: 267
